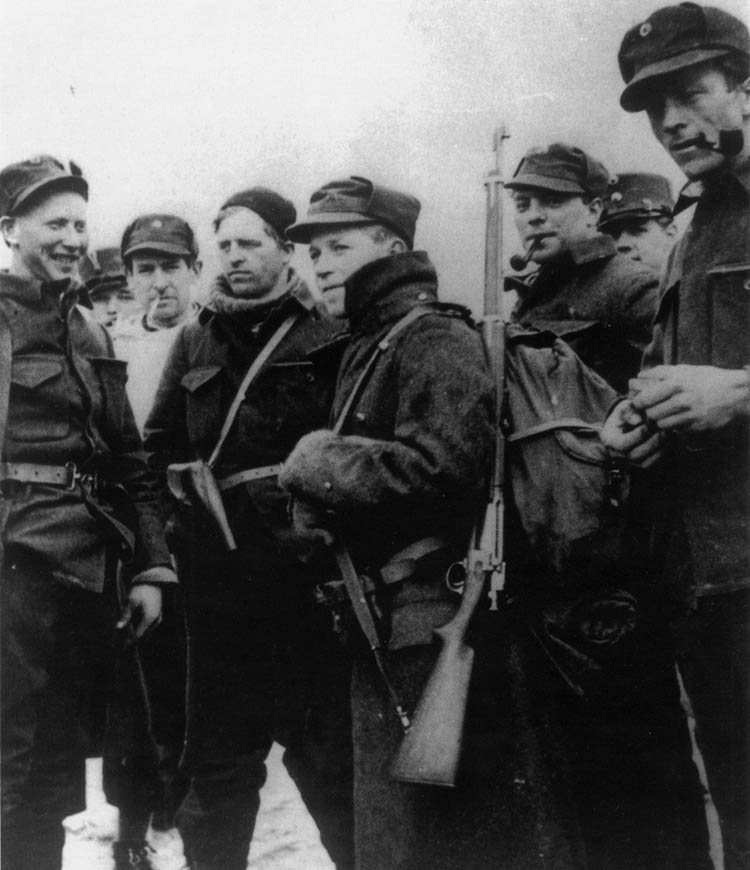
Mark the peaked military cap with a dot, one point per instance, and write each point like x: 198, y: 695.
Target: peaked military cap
x: 20, y: 181
x: 276, y: 211
x: 106, y: 272
x: 563, y: 169
x: 636, y: 196
x: 166, y: 233
x: 354, y: 201
x: 672, y: 38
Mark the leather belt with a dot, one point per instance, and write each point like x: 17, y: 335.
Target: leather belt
x: 66, y: 475
x: 248, y: 475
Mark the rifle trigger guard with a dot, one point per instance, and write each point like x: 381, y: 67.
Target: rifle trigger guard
x: 455, y: 577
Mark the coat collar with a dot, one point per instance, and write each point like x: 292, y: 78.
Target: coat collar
x: 385, y: 289
x: 725, y: 185
x: 22, y: 289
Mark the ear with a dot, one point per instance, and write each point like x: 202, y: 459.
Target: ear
x: 671, y: 230
x: 197, y: 267
x: 288, y: 249
x: 745, y: 89
x: 396, y: 246
x: 9, y: 229
x: 594, y: 208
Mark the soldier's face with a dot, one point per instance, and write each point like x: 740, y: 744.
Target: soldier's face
x: 49, y: 241
x: 251, y: 258
x: 553, y: 222
x: 691, y: 103
x: 162, y: 284
x: 645, y: 241
x: 337, y: 254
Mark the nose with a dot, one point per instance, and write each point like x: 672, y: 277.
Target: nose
x: 322, y: 267
x: 161, y: 280
x: 671, y: 115
x: 236, y: 255
x: 536, y: 213
x: 72, y: 238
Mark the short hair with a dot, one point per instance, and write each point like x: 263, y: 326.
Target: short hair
x: 734, y: 67
x: 267, y: 228
x: 382, y: 233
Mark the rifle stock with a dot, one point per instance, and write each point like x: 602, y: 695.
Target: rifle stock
x: 430, y: 751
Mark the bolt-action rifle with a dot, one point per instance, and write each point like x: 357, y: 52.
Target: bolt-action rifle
x: 430, y: 750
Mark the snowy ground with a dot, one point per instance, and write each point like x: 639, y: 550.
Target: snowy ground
x: 285, y: 836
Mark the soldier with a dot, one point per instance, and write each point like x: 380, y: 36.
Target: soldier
x: 159, y: 260
x: 637, y: 213
x: 160, y: 257
x: 263, y: 661
x: 404, y: 480
x: 686, y: 66
x: 108, y: 290
x: 598, y: 301
x: 72, y: 480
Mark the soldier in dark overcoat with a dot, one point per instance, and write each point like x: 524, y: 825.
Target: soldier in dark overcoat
x: 404, y: 478
x: 76, y: 497
x: 687, y: 67
x: 263, y: 661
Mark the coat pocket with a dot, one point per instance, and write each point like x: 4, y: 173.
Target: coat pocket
x: 203, y: 406
x: 39, y: 408
x: 729, y: 300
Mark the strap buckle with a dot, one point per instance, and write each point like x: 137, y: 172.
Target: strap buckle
x: 87, y: 479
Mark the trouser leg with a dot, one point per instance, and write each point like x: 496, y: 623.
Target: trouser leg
x: 715, y: 666
x: 314, y: 726
x: 54, y: 650
x: 229, y: 721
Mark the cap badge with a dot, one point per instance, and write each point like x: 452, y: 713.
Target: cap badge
x: 157, y: 224
x: 645, y: 29
x: 616, y: 196
x: 647, y: 203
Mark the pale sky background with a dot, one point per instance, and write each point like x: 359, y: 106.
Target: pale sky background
x: 175, y: 105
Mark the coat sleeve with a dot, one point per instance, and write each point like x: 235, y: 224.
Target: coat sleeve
x: 441, y: 439
x: 635, y: 307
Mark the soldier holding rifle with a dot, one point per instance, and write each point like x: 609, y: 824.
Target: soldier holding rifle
x: 687, y: 67
x: 398, y: 481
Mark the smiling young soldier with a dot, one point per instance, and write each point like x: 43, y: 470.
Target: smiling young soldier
x: 597, y: 300
x: 71, y: 452
x: 403, y: 479
x: 637, y: 213
x: 264, y: 663
x: 687, y: 67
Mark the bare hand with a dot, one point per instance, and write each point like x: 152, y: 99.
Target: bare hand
x: 687, y: 398
x: 142, y: 612
x: 628, y: 435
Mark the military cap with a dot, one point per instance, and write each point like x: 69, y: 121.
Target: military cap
x: 636, y: 196
x: 105, y: 271
x: 20, y: 181
x: 672, y: 38
x: 276, y: 211
x: 562, y: 169
x: 165, y: 233
x: 357, y: 200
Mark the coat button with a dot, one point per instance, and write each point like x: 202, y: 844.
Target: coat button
x: 360, y: 417
x: 327, y: 486
x: 423, y: 297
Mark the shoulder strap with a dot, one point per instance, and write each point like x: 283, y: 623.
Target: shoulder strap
x: 250, y: 376
x: 408, y: 318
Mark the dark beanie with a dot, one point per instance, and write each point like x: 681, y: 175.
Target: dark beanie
x: 274, y: 209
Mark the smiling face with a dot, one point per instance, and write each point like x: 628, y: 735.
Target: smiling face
x: 338, y: 253
x: 696, y: 102
x: 553, y: 222
x: 252, y: 258
x: 49, y: 240
x: 162, y: 284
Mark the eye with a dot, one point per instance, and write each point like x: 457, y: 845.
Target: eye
x: 224, y: 246
x: 314, y: 254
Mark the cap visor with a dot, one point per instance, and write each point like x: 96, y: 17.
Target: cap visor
x: 158, y: 248
x: 76, y: 183
x: 634, y: 97
x: 543, y: 182
x: 304, y: 230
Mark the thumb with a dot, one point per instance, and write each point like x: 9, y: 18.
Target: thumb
x: 126, y: 617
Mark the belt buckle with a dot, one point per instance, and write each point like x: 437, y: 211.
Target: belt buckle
x: 72, y: 476
x: 87, y: 479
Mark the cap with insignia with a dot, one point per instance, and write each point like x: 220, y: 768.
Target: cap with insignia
x: 636, y: 196
x: 672, y: 38
x: 563, y: 169
x: 164, y: 233
x: 357, y: 201
x: 22, y: 183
